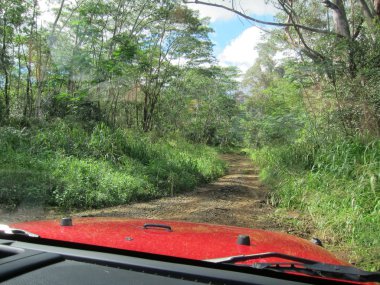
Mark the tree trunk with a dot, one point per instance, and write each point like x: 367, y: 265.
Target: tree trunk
x: 342, y: 28
x: 341, y: 24
x: 366, y: 12
x: 340, y: 19
x: 5, y: 70
x: 6, y: 94
x: 368, y: 16
x: 28, y: 99
x: 146, y: 112
x: 150, y: 100
x: 376, y: 4
x: 40, y: 76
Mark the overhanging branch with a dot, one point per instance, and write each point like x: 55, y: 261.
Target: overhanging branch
x: 311, y: 29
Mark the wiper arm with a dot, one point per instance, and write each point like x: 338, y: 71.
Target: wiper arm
x: 11, y: 231
x: 237, y: 258
x: 302, y: 265
x: 321, y: 269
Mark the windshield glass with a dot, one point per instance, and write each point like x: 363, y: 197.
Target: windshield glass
x: 263, y: 115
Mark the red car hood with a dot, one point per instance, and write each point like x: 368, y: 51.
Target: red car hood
x: 187, y: 240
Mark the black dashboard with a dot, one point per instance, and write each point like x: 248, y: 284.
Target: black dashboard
x: 51, y: 262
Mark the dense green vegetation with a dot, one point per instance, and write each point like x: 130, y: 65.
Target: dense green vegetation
x: 65, y: 165
x: 336, y: 186
x: 118, y: 101
x: 102, y: 107
x: 317, y: 156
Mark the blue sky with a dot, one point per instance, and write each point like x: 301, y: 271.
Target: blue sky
x: 235, y: 38
x: 227, y: 30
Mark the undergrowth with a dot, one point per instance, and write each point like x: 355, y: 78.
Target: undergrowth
x: 337, y: 185
x: 69, y: 166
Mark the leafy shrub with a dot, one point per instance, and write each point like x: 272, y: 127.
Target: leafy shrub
x: 12, y: 138
x: 60, y: 137
x: 24, y: 186
x: 90, y: 183
x: 66, y: 165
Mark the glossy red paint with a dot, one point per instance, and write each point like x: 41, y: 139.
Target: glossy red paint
x: 187, y: 240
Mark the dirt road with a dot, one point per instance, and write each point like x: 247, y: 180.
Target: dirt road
x: 236, y: 199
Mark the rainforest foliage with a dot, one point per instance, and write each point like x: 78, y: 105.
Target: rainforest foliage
x: 118, y: 101
x: 313, y: 123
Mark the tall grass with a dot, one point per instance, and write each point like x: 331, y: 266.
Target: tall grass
x: 66, y: 165
x: 337, y: 185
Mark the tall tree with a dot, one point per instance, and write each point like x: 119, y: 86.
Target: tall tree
x: 11, y: 18
x: 175, y: 36
x: 338, y: 39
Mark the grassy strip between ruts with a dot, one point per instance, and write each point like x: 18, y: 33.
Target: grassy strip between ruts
x: 337, y: 186
x: 71, y: 167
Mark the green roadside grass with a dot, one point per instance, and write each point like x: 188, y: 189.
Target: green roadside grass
x: 76, y: 167
x: 336, y: 186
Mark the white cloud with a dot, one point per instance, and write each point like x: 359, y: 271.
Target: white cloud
x: 241, y: 51
x: 257, y: 7
x: 47, y: 7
